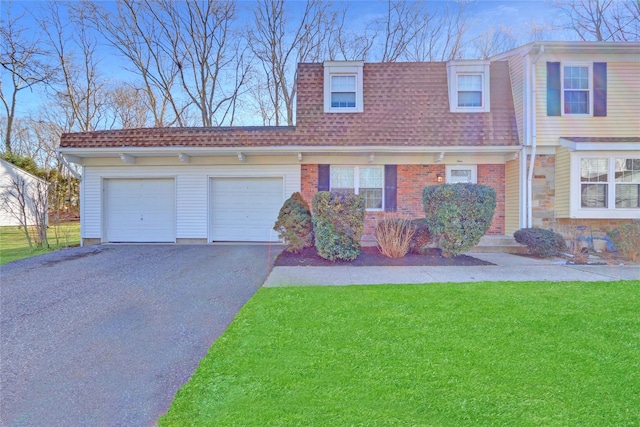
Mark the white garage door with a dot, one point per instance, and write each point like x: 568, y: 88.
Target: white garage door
x: 139, y: 210
x: 245, y: 209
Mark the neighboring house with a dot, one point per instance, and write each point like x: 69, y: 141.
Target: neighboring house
x: 384, y: 131
x: 22, y: 196
x: 578, y: 110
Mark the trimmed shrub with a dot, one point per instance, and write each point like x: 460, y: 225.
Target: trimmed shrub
x: 338, y: 222
x: 294, y: 224
x: 421, y: 237
x: 627, y: 239
x: 540, y: 242
x: 393, y: 236
x: 458, y: 215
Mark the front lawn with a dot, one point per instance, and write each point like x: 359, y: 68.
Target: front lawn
x: 525, y: 354
x: 14, y: 245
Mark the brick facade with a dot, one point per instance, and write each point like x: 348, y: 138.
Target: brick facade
x: 411, y: 180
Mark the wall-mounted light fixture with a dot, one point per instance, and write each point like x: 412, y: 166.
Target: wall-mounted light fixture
x: 439, y: 177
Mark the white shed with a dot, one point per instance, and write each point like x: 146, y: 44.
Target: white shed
x: 10, y: 205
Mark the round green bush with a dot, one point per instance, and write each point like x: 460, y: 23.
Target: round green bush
x: 294, y: 224
x: 458, y: 215
x: 338, y: 222
x: 540, y: 242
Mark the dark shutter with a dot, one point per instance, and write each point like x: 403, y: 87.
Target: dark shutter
x: 553, y: 89
x: 390, y: 188
x: 599, y: 88
x: 324, y: 174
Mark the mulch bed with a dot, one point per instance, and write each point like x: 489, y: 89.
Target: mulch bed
x: 371, y: 256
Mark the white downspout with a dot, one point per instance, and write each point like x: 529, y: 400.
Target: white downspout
x: 533, y: 139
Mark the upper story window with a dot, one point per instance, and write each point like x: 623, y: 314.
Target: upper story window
x: 468, y: 86
x: 576, y: 89
x: 343, y: 86
x: 470, y: 90
x: 343, y: 91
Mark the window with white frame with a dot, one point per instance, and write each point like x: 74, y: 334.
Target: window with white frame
x: 469, y: 84
x: 609, y: 183
x: 458, y: 173
x: 576, y: 89
x: 470, y: 90
x: 343, y: 86
x: 343, y: 91
x: 367, y: 181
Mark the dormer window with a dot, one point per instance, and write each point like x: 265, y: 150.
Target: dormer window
x: 343, y: 87
x: 343, y: 91
x: 470, y: 90
x: 468, y: 86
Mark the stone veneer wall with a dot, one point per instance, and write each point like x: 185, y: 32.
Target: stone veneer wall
x: 544, y: 203
x: 411, y: 180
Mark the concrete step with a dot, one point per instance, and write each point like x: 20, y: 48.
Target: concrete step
x: 499, y: 244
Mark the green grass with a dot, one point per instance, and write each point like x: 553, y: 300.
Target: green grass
x: 482, y: 354
x: 14, y: 245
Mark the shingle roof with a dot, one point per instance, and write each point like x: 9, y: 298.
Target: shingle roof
x: 405, y: 104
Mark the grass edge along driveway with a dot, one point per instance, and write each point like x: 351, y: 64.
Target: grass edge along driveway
x: 14, y: 245
x: 525, y: 354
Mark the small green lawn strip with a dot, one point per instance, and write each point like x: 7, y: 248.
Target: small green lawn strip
x: 14, y: 245
x: 482, y: 354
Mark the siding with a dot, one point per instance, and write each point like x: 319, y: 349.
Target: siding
x: 512, y: 197
x: 192, y: 189
x: 563, y: 174
x: 516, y: 71
x: 623, y: 103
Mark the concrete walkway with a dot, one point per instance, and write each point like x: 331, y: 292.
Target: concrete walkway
x: 507, y: 268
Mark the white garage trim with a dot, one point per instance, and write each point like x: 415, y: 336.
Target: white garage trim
x: 244, y: 208
x: 139, y: 210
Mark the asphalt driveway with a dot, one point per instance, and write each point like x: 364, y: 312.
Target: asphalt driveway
x: 106, y: 335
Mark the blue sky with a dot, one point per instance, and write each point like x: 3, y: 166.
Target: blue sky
x: 484, y: 14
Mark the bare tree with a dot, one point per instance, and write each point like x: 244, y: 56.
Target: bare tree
x: 80, y: 95
x: 279, y: 43
x: 210, y: 61
x: 133, y: 31
x: 441, y: 32
x: 345, y: 42
x: 403, y: 23
x: 602, y: 20
x: 127, y: 106
x: 27, y: 202
x: 23, y: 59
x: 494, y: 41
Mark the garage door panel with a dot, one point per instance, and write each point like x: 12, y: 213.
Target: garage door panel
x: 245, y: 209
x: 140, y: 210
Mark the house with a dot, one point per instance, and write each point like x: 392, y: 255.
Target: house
x: 23, y: 196
x: 577, y: 107
x: 383, y: 130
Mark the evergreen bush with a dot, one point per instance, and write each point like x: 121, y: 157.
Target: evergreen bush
x: 458, y: 215
x: 540, y: 242
x: 338, y: 222
x: 294, y: 224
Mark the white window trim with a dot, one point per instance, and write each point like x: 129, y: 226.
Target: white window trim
x: 589, y: 66
x: 343, y: 68
x: 473, y: 168
x: 356, y: 181
x: 611, y: 212
x: 457, y: 68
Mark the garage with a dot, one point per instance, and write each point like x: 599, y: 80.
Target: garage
x: 245, y: 209
x: 139, y: 210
